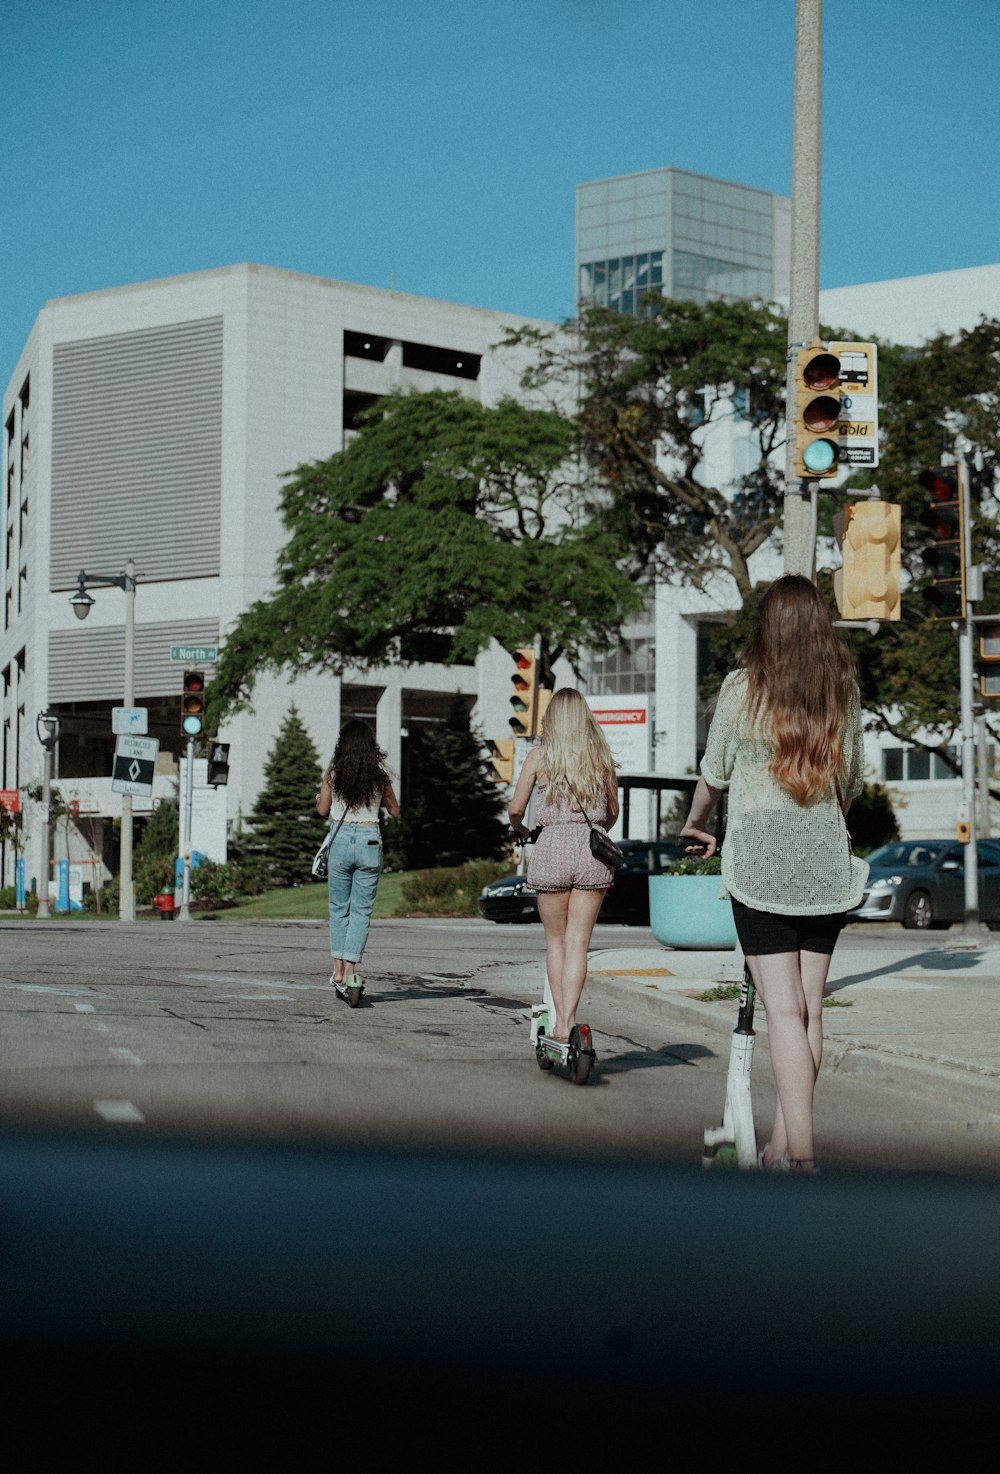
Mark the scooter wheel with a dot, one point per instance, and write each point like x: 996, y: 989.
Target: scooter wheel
x: 354, y: 996
x: 544, y: 1062
x: 581, y: 1055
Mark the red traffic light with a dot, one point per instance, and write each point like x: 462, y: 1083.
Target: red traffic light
x: 941, y: 482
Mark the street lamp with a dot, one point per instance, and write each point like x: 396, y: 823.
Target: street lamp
x: 47, y: 727
x: 82, y: 603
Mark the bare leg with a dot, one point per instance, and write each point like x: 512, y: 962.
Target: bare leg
x: 778, y: 979
x: 570, y: 917
x: 813, y: 970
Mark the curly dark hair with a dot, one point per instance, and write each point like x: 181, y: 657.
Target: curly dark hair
x: 357, y: 769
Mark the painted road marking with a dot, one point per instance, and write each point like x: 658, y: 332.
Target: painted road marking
x: 84, y: 1007
x: 126, y: 1057
x: 56, y: 988
x: 119, y: 1111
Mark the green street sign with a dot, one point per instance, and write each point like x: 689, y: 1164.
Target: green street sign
x: 194, y: 654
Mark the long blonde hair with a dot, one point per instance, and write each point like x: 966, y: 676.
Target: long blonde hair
x: 801, y: 684
x: 576, y: 758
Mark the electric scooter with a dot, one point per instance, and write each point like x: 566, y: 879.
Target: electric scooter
x: 351, y: 990
x: 734, y: 1143
x: 577, y: 1052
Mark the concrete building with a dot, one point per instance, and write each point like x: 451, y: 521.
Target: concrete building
x: 155, y: 422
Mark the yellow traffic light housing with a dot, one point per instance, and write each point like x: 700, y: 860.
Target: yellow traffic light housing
x: 502, y: 760
x: 817, y: 411
x: 867, y: 587
x: 525, y: 678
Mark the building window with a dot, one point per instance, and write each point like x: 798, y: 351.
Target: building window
x: 355, y: 403
x: 366, y: 345
x: 627, y: 670
x: 450, y: 361
x: 915, y: 765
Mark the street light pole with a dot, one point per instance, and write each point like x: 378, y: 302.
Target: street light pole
x: 126, y: 892
x: 47, y: 727
x: 81, y: 603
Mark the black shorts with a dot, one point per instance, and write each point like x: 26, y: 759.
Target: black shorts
x: 765, y: 933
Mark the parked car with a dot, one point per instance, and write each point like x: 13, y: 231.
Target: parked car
x: 626, y: 903
x: 921, y: 883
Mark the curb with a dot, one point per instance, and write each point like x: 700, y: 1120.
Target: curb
x: 904, y: 1073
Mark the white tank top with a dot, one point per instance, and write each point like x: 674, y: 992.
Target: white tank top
x: 365, y: 814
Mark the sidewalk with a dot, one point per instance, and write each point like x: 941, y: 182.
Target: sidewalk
x: 919, y: 1018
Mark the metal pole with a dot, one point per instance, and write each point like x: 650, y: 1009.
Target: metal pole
x: 184, y: 914
x: 803, y: 300
x: 983, y: 763
x: 966, y: 635
x: 126, y: 897
x: 45, y: 861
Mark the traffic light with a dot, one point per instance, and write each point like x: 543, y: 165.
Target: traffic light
x: 530, y: 701
x: 817, y: 410
x: 945, y: 554
x: 218, y: 764
x: 502, y: 760
x: 989, y: 653
x: 193, y: 704
x: 525, y: 678
x: 867, y: 586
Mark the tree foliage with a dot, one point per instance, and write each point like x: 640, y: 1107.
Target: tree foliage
x: 285, y: 827
x: 651, y: 392
x: 450, y: 805
x: 443, y: 525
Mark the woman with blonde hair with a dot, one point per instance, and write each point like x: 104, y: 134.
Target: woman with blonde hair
x: 574, y: 772
x: 786, y: 741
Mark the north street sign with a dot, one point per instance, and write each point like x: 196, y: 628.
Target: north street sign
x: 194, y: 654
x: 134, y: 766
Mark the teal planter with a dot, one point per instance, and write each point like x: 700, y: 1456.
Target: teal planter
x: 685, y: 911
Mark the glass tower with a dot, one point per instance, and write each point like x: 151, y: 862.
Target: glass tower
x: 681, y: 234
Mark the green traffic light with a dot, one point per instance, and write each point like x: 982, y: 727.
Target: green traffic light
x: 819, y: 456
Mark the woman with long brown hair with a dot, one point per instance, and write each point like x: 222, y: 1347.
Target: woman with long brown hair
x: 786, y: 742
x: 355, y: 786
x: 575, y: 775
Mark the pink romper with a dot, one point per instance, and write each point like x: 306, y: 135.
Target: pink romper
x: 561, y: 860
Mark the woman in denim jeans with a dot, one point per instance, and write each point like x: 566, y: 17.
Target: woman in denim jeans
x: 355, y: 786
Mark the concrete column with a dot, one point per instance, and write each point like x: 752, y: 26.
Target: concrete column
x: 388, y: 724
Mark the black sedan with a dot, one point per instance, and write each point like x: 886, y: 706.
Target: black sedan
x: 921, y: 883
x: 626, y: 903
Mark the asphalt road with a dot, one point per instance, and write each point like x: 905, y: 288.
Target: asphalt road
x: 230, y: 1029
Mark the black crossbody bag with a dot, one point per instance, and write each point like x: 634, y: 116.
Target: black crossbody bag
x: 601, y: 847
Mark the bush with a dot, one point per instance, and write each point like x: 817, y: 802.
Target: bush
x: 712, y: 866
x: 224, y: 884
x: 153, y: 875
x: 449, y: 890
x: 872, y: 819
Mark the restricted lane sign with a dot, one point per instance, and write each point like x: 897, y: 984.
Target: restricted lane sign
x: 134, y: 765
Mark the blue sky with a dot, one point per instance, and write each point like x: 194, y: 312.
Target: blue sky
x: 435, y: 145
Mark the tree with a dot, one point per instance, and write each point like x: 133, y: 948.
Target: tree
x: 287, y: 831
x: 651, y: 392
x: 450, y: 806
x: 442, y: 526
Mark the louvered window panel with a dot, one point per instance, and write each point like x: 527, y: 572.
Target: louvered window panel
x: 137, y: 453
x: 89, y: 664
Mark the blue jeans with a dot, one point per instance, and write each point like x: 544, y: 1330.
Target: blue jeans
x: 355, y: 865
